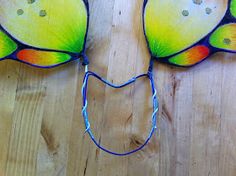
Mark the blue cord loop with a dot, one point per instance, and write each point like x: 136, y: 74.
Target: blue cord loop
x: 88, y: 130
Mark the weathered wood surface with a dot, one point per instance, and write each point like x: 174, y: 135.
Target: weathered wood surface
x: 41, y: 128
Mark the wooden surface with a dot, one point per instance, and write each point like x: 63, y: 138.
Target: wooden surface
x: 42, y: 131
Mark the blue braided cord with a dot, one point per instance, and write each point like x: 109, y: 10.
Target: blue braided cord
x: 85, y: 106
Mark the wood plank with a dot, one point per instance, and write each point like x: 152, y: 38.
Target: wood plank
x: 8, y: 78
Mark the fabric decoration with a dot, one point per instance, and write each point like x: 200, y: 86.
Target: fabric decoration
x: 43, y: 34
x: 186, y: 32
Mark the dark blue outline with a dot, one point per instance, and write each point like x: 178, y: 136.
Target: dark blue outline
x: 21, y: 46
x: 227, y: 19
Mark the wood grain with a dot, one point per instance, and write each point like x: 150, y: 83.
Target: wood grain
x: 42, y: 131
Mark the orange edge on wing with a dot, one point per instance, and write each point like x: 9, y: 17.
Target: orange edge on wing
x: 191, y: 57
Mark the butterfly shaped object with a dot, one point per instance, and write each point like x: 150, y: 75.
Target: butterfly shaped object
x: 49, y: 33
x: 43, y: 33
x: 185, y: 32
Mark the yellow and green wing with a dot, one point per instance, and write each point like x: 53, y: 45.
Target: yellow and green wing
x: 56, y: 24
x: 172, y: 26
x: 233, y: 8
x: 225, y: 37
x: 7, y: 45
x: 185, y: 33
x: 43, y: 33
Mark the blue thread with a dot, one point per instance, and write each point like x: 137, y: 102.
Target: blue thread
x: 88, y: 130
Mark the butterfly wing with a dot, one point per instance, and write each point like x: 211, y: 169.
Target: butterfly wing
x: 7, y: 45
x: 56, y: 24
x: 42, y: 58
x: 171, y: 27
x: 233, y: 8
x: 225, y: 37
x: 222, y: 39
x: 190, y: 57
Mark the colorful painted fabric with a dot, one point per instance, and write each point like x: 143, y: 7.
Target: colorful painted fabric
x: 41, y: 33
x: 185, y: 32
